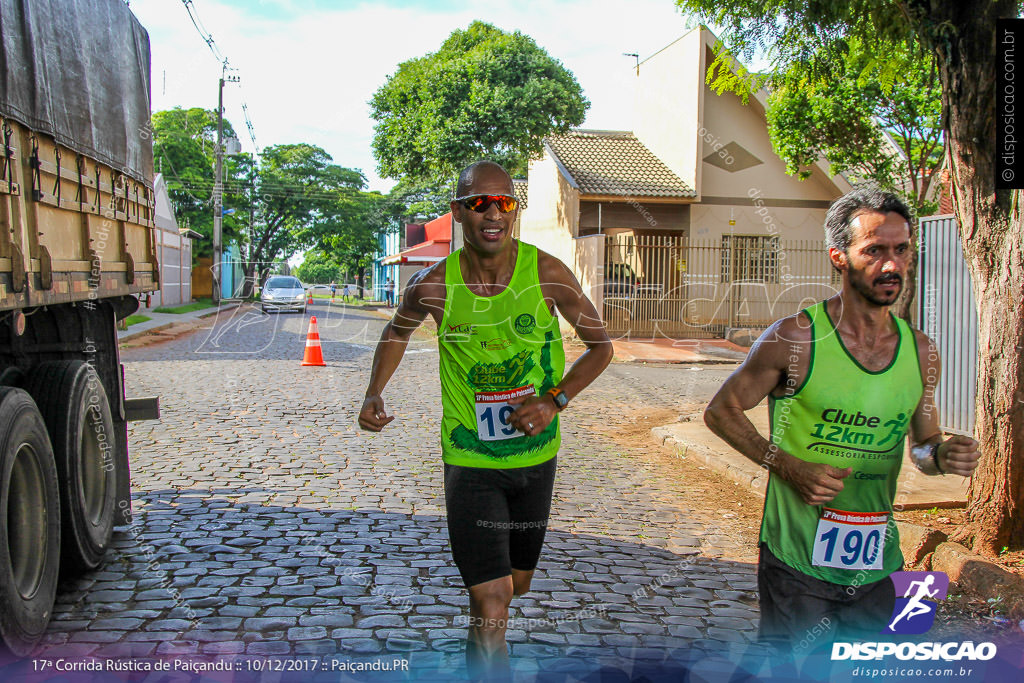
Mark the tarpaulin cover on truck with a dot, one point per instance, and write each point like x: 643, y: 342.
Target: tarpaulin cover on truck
x: 78, y: 70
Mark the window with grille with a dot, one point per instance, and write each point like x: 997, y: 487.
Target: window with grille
x: 750, y: 258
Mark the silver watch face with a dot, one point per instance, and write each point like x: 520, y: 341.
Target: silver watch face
x: 561, y: 400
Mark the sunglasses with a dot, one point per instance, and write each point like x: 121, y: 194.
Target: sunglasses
x: 480, y: 202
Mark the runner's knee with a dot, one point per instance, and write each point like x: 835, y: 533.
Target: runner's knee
x: 491, y: 600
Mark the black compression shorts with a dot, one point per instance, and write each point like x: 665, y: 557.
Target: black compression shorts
x: 797, y: 609
x: 497, y: 518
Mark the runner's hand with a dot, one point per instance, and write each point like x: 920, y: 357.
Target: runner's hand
x: 959, y: 455
x: 817, y: 483
x: 533, y: 414
x: 372, y: 417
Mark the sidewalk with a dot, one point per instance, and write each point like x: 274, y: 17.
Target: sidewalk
x: 914, y: 490
x: 160, y: 321
x: 704, y: 351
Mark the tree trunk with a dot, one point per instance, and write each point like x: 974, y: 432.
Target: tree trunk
x: 904, y: 306
x: 994, y: 249
x: 249, y: 286
x: 361, y: 278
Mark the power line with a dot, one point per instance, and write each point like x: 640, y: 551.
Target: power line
x: 203, y: 33
x: 219, y: 55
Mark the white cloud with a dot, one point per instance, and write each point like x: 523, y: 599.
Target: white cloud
x: 307, y: 77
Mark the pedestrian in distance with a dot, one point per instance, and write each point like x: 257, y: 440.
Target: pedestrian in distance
x: 334, y: 289
x: 346, y: 294
x: 846, y: 382
x: 389, y: 292
x: 502, y: 390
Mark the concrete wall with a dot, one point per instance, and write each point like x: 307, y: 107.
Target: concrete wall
x: 174, y: 253
x: 669, y: 88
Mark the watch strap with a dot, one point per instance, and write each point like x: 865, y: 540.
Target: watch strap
x: 559, y: 397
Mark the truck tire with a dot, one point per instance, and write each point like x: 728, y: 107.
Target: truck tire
x: 29, y: 525
x: 74, y: 406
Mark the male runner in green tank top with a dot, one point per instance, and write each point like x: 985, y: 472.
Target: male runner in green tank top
x: 846, y: 382
x: 502, y: 388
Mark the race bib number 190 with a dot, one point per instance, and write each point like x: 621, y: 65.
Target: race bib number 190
x: 493, y: 412
x: 849, y: 540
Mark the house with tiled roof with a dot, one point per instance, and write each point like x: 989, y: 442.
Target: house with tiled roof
x: 686, y: 224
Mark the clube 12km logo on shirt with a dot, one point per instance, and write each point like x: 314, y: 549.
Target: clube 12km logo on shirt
x: 917, y: 596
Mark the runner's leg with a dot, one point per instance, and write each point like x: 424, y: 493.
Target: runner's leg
x: 488, y: 612
x: 478, y: 528
x: 529, y: 510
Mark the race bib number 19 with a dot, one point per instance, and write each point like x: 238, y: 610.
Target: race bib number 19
x: 849, y: 540
x: 493, y: 412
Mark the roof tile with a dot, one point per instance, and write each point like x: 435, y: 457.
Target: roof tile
x: 615, y: 163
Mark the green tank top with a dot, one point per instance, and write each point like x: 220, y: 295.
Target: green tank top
x: 846, y: 416
x: 494, y: 350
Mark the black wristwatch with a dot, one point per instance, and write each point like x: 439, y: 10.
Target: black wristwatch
x: 559, y: 397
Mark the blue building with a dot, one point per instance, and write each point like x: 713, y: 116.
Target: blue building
x: 388, y: 244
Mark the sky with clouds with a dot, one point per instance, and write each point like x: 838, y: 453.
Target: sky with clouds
x: 308, y: 68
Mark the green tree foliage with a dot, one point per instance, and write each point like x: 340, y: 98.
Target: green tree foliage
x: 353, y: 240
x: 301, y: 198
x: 318, y: 268
x: 415, y: 201
x: 962, y: 38
x: 184, y: 141
x: 846, y: 117
x: 484, y: 94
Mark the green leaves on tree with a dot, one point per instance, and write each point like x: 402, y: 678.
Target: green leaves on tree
x: 484, y: 94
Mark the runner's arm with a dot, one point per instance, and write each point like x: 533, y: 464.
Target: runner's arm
x: 765, y: 368
x: 389, y: 352
x: 955, y: 455
x: 579, y: 311
x: 561, y: 288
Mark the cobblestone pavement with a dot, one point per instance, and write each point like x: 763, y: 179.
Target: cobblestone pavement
x: 267, y: 524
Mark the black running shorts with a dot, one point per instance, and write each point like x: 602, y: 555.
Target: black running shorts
x: 497, y: 518
x: 801, y: 612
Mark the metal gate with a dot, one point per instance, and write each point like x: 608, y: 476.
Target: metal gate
x: 668, y: 286
x: 947, y: 314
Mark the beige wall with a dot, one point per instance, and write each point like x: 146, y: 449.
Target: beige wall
x: 710, y: 222
x: 726, y: 119
x: 682, y: 120
x: 669, y: 88
x: 551, y: 222
x: 588, y: 265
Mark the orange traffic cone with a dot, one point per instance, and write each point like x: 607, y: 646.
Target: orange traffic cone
x: 309, y: 298
x: 314, y: 354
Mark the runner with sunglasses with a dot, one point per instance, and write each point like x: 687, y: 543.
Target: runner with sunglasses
x: 502, y: 387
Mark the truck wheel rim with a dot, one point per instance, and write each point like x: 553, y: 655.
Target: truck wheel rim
x: 92, y: 474
x: 26, y: 521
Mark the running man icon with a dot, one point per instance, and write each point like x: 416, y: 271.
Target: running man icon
x: 916, y: 600
x: 915, y: 607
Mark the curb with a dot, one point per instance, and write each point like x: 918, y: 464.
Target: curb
x: 141, y: 333
x: 923, y: 548
x: 729, y: 464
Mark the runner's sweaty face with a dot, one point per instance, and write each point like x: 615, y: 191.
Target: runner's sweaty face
x: 878, y: 256
x: 489, y: 232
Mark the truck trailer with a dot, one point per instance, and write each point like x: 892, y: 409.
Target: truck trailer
x: 77, y: 253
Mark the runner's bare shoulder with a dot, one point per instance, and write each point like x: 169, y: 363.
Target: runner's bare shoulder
x: 783, y: 338
x: 426, y: 289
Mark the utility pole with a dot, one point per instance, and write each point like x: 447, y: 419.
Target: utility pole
x: 218, y: 185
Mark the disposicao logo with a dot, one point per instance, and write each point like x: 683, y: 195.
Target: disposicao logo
x: 917, y: 596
